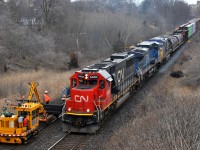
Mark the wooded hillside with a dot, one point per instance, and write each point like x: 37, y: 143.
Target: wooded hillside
x: 38, y: 34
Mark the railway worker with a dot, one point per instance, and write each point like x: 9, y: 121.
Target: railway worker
x: 66, y: 93
x: 47, y: 99
x: 25, y: 122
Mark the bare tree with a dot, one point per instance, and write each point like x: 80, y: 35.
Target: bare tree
x: 46, y: 6
x: 119, y: 45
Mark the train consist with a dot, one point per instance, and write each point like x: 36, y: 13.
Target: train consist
x: 99, y: 89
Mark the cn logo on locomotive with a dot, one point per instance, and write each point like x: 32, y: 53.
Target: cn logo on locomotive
x: 79, y: 98
x: 120, y: 75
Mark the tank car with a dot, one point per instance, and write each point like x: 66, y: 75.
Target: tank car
x: 190, y: 28
x: 176, y: 41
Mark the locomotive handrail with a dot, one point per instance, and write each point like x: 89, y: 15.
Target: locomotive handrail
x: 98, y: 110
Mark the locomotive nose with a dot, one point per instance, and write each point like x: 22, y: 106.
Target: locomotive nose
x: 83, y: 100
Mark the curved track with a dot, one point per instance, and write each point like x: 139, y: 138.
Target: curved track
x: 72, y: 142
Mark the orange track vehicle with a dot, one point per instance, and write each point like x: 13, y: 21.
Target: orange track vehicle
x: 12, y: 129
x: 21, y: 122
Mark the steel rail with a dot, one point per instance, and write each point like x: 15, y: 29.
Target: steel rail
x: 82, y: 144
x: 59, y: 141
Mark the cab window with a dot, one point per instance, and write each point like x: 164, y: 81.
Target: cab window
x: 93, y: 82
x: 102, y: 84
x: 87, y: 82
x: 35, y: 115
x: 74, y: 82
x: 23, y: 113
x: 83, y: 82
x: 33, y: 118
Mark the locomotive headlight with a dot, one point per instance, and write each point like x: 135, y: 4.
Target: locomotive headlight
x: 86, y: 76
x: 69, y: 109
x: 88, y: 110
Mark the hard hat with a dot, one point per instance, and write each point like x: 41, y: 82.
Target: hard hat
x: 46, y: 92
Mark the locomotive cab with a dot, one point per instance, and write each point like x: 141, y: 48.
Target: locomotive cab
x: 153, y: 48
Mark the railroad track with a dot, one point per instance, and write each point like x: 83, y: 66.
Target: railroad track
x: 44, y: 126
x: 72, y: 142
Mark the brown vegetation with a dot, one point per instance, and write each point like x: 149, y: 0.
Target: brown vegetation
x: 36, y: 34
x: 59, y: 35
x: 15, y: 85
x: 170, y: 118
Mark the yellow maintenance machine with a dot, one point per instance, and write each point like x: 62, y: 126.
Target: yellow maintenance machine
x: 44, y: 116
x: 18, y: 123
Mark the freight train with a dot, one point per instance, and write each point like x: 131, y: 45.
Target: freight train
x: 99, y: 89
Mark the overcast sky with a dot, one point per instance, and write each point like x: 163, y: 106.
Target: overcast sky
x: 191, y: 1
x: 138, y: 1
x: 187, y: 1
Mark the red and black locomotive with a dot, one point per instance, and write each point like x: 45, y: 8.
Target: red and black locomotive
x: 97, y: 90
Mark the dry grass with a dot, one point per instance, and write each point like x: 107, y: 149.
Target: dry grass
x: 16, y: 84
x: 170, y: 118
x: 162, y: 120
x: 168, y: 115
x: 189, y: 63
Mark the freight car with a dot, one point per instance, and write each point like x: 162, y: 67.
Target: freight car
x: 190, y: 27
x: 99, y: 89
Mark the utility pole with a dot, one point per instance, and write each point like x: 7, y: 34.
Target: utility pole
x: 77, y: 38
x: 77, y: 42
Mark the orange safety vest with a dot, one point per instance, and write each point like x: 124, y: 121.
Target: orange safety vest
x: 25, y: 122
x: 46, y: 98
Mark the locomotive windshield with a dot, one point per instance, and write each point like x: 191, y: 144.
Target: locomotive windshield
x: 144, y: 46
x: 86, y: 84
